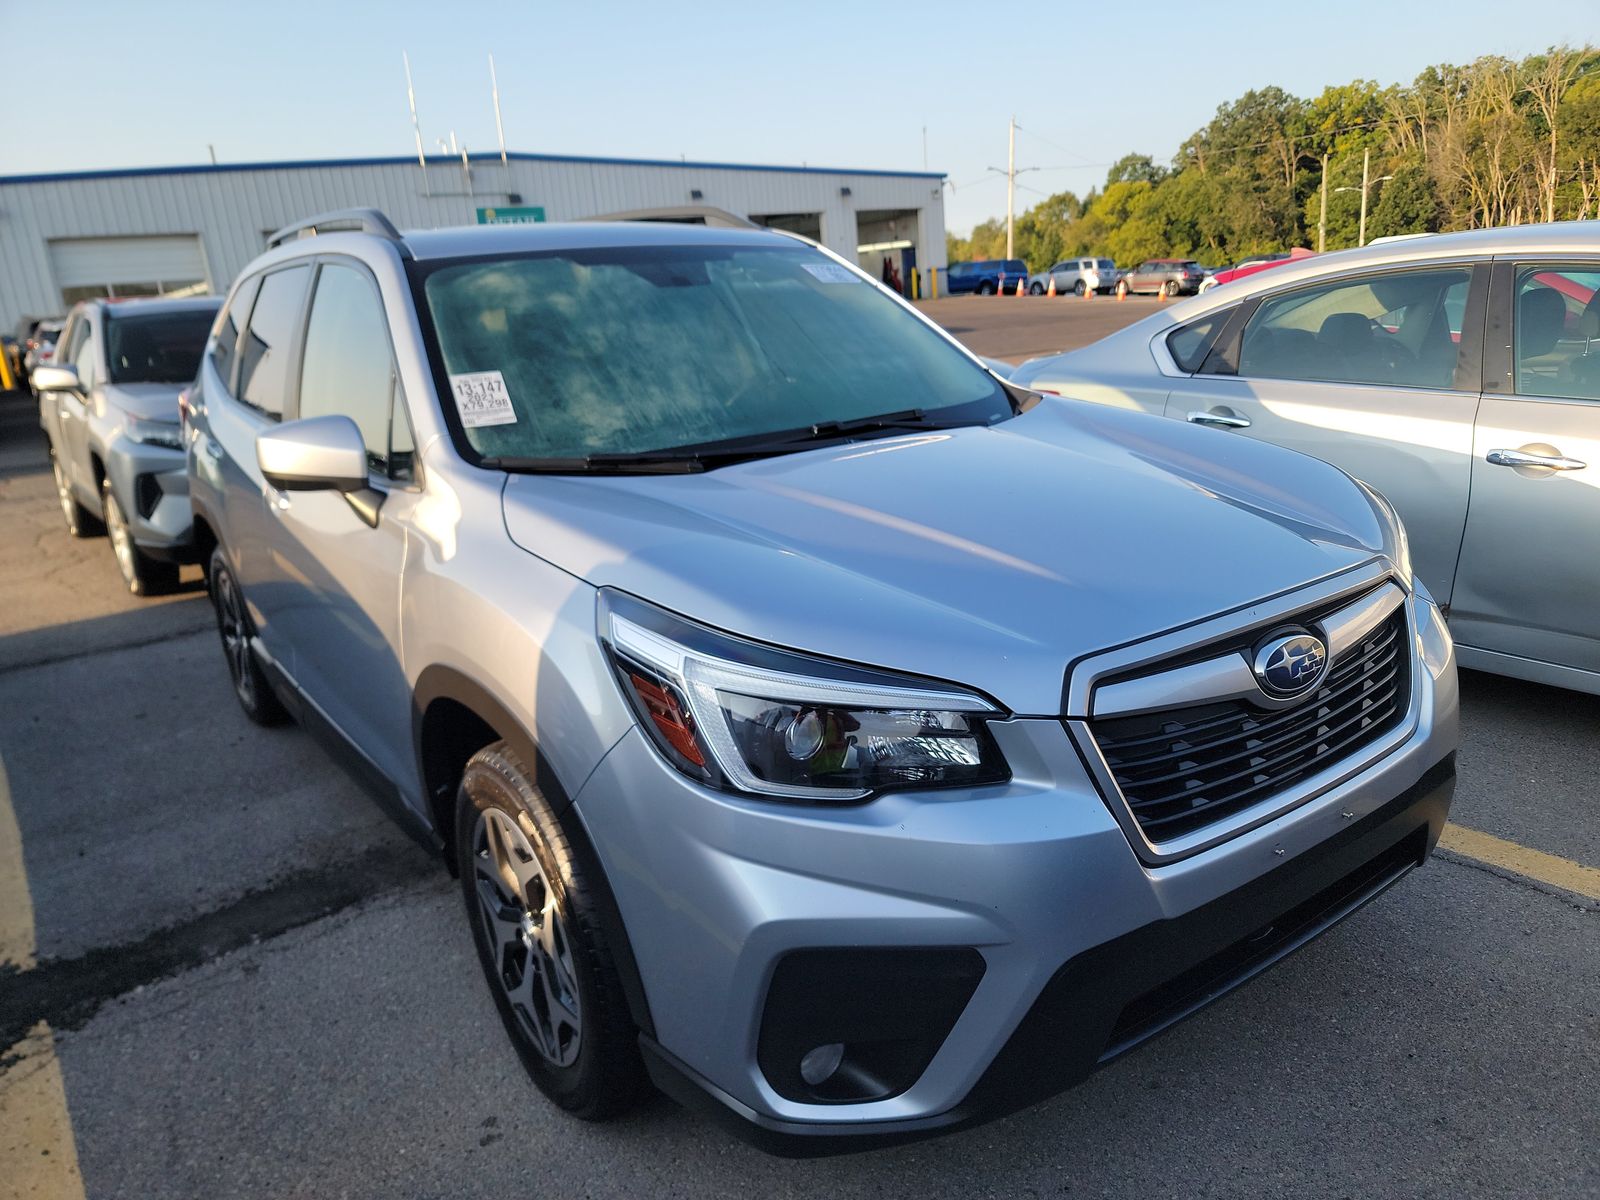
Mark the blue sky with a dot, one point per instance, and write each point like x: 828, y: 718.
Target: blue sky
x: 825, y: 83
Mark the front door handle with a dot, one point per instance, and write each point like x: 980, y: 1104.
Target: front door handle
x: 1522, y: 458
x: 1221, y: 420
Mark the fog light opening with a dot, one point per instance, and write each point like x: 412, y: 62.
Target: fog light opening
x: 819, y: 1063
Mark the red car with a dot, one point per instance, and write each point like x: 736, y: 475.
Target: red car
x: 1252, y: 266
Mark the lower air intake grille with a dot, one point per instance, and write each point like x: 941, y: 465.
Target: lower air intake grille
x: 1183, y: 769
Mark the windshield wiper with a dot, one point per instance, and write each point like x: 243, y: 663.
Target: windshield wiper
x: 910, y: 418
x: 703, y: 456
x: 600, y: 464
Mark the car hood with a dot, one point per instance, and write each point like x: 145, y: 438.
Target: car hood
x: 147, y: 401
x: 990, y: 557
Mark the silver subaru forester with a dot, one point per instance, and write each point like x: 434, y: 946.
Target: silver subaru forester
x: 823, y: 729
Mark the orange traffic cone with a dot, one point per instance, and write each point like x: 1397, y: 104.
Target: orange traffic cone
x: 1088, y: 292
x: 1161, y: 296
x: 1051, y: 290
x: 1000, y: 290
x: 1022, y: 286
x: 1122, y: 289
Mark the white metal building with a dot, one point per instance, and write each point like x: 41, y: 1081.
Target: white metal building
x: 157, y: 231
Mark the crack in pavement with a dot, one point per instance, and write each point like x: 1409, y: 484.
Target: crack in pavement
x: 67, y: 992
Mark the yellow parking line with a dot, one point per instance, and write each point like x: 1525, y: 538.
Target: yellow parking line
x: 1544, y: 868
x: 16, y: 904
x: 38, y: 1156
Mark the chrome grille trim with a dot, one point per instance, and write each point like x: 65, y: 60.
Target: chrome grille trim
x: 1229, y: 677
x: 1360, y: 598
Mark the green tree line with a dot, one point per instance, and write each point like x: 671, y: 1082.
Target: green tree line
x: 1494, y: 142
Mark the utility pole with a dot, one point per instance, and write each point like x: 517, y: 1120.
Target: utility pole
x: 1366, y: 182
x: 1366, y: 164
x: 1322, y: 212
x: 1011, y: 194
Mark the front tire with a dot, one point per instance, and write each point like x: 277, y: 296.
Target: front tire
x: 534, y: 907
x: 1036, y: 290
x: 986, y: 289
x: 250, y: 685
x: 144, y: 575
x: 81, y: 523
x: 1079, y: 288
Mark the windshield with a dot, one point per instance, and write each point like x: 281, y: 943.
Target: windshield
x: 629, y: 350
x: 157, y: 347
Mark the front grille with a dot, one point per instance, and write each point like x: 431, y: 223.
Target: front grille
x: 1183, y: 769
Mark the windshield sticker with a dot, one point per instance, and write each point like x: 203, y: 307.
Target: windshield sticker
x: 830, y: 272
x: 482, y: 399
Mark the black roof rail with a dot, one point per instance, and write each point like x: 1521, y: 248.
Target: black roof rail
x: 365, y: 220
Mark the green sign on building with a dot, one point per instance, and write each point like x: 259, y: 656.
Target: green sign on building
x: 521, y: 215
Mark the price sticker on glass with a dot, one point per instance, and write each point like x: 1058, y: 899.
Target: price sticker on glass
x: 482, y: 399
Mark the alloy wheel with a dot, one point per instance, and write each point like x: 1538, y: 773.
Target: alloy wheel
x: 64, y: 492
x: 527, y: 936
x: 121, y: 539
x: 235, y: 636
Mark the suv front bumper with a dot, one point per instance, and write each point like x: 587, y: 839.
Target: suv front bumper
x: 152, y: 486
x: 1085, y: 950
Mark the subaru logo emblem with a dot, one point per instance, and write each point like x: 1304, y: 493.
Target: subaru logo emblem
x: 1290, y: 664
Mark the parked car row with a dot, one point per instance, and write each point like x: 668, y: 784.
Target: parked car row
x: 108, y: 402
x: 1076, y: 277
x: 34, y: 343
x: 849, y: 742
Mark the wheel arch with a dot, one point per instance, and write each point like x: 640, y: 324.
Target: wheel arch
x: 205, y: 541
x: 453, y: 717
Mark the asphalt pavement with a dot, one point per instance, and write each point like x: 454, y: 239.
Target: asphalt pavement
x: 225, y: 974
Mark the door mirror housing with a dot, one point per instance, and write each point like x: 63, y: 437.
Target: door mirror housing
x: 314, y: 454
x: 55, y: 379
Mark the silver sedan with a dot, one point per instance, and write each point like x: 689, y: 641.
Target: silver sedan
x: 1458, y: 374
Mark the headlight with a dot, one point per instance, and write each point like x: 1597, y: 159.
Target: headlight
x: 153, y: 433
x: 743, y: 717
x: 1398, y: 545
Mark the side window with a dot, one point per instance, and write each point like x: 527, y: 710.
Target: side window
x: 348, y: 367
x: 226, y: 350
x: 70, y: 338
x: 264, y: 352
x: 1556, y: 332
x: 85, y: 355
x: 1190, y: 344
x: 1399, y: 328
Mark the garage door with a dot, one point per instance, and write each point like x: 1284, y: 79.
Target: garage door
x: 128, y: 266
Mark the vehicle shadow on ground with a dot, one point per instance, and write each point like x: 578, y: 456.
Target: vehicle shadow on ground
x: 188, y: 611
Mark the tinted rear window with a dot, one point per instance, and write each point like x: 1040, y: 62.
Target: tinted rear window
x: 1189, y: 344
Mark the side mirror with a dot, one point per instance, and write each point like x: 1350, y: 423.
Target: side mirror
x: 55, y: 379
x: 316, y: 454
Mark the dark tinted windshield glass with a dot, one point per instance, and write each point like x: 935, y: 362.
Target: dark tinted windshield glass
x: 633, y: 349
x: 157, y: 347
